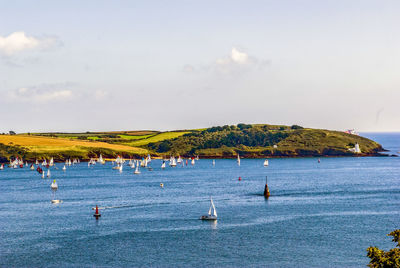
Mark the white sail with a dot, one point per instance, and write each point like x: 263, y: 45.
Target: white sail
x: 163, y: 164
x: 238, y: 159
x: 48, y: 173
x: 266, y: 163
x: 42, y: 174
x: 179, y: 160
x: 32, y: 167
x: 120, y: 168
x: 213, y: 207
x: 1, y: 167
x: 213, y: 162
x: 192, y: 161
x: 133, y: 164
x: 64, y: 168
x: 51, y: 162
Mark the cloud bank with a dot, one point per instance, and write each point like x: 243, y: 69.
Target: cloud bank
x: 18, y: 42
x: 41, y: 94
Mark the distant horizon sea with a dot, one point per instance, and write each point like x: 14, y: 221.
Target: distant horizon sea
x: 318, y: 215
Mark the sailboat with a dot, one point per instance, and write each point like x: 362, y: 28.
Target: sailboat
x: 172, y: 162
x: 192, y: 162
x: 163, y: 165
x: 132, y: 164
x: 213, y: 163
x: 32, y: 167
x: 42, y: 174
x: 51, y: 162
x: 101, y: 161
x: 1, y: 167
x: 64, y: 168
x: 212, y: 213
x: 48, y: 173
x: 137, y: 171
x: 238, y: 160
x: 120, y: 168
x: 179, y: 160
x: 266, y: 163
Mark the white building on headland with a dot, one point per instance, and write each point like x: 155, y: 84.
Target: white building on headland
x: 356, y: 149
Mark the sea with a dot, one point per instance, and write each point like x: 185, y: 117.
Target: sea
x: 318, y: 215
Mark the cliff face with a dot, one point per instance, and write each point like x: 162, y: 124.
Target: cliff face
x: 266, y: 141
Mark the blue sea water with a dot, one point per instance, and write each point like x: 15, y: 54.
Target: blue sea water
x: 319, y: 214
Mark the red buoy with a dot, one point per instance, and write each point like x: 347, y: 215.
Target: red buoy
x: 97, y: 214
x: 240, y: 178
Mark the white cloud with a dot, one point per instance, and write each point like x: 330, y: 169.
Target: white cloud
x: 41, y: 94
x: 239, y: 57
x: 236, y: 57
x: 18, y: 41
x: 236, y: 63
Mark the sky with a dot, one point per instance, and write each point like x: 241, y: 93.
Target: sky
x: 164, y: 65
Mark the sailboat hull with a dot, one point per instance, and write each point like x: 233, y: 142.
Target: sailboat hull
x: 208, y: 218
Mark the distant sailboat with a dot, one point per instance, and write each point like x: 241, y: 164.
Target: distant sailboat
x: 238, y: 160
x: 120, y: 168
x: 172, y: 162
x: 163, y: 165
x: 51, y: 162
x: 48, y: 173
x: 192, y: 162
x: 42, y: 174
x: 213, y: 163
x: 64, y: 168
x: 266, y: 163
x: 1, y: 167
x: 212, y: 212
x: 32, y: 167
x: 137, y: 171
x: 101, y: 161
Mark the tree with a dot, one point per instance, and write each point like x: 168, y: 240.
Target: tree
x: 381, y: 258
x: 12, y: 132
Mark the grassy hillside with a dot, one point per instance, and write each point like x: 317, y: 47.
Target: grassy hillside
x: 32, y: 147
x: 263, y: 141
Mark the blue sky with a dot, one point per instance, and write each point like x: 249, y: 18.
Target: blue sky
x: 112, y: 65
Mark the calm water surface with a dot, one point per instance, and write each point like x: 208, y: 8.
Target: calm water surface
x: 323, y: 214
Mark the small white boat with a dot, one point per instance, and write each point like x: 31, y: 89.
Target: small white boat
x: 64, y: 168
x: 192, y: 162
x: 1, y: 166
x: 163, y: 165
x: 42, y: 174
x: 212, y: 213
x: 120, y: 168
x: 51, y: 162
x: 213, y: 163
x: 266, y: 163
x: 238, y: 160
x: 48, y: 173
x: 32, y: 167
